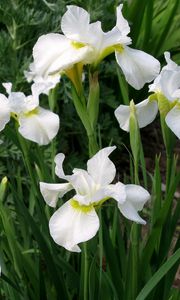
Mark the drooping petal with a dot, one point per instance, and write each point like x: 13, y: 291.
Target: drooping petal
x: 137, y: 66
x: 39, y: 126
x: 4, y: 111
x: 54, y: 53
x: 146, y: 112
x: 173, y: 120
x: 51, y: 192
x: 136, y: 197
x: 170, y: 84
x: 101, y: 168
x: 70, y: 226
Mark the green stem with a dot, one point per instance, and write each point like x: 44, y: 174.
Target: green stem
x: 86, y: 272
x: 135, y: 259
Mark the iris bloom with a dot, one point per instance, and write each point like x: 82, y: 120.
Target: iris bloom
x: 86, y: 43
x: 76, y: 221
x: 167, y: 85
x: 35, y: 123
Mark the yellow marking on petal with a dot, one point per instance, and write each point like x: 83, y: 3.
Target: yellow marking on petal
x: 119, y: 48
x: 77, y: 45
x: 83, y: 208
x: 107, y: 51
x: 31, y: 113
x: 87, y: 208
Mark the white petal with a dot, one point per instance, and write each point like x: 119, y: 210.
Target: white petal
x: 49, y: 82
x: 121, y: 22
x: 101, y: 168
x: 4, y: 111
x: 114, y: 37
x: 51, y: 192
x: 129, y: 212
x: 173, y: 120
x: 136, y: 197
x: 54, y: 53
x: 70, y: 226
x: 7, y: 86
x: 170, y: 84
x: 83, y: 183
x: 137, y: 66
x: 59, y: 158
x: 122, y: 114
x: 171, y: 65
x: 117, y: 191
x: 75, y: 23
x: 40, y: 126
x: 146, y: 112
x: 156, y: 86
x: 17, y: 102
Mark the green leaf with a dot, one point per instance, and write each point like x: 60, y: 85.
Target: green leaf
x: 163, y: 270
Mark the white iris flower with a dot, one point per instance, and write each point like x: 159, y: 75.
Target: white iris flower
x: 86, y: 42
x: 166, y: 84
x: 35, y: 123
x: 76, y: 221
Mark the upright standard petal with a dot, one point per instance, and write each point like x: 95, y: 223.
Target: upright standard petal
x: 4, y: 111
x: 101, y: 168
x: 121, y: 22
x: 75, y: 23
x: 173, y: 120
x: 171, y: 66
x: 146, y: 112
x: 84, y: 185
x: 137, y: 66
x: 136, y: 197
x: 40, y: 125
x: 70, y: 226
x: 170, y: 84
x: 51, y: 191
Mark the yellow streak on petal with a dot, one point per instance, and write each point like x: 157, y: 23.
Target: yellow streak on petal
x: 84, y: 208
x: 119, y: 48
x: 31, y: 113
x: 77, y: 45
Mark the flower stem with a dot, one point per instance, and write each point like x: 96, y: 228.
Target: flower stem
x: 85, y: 271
